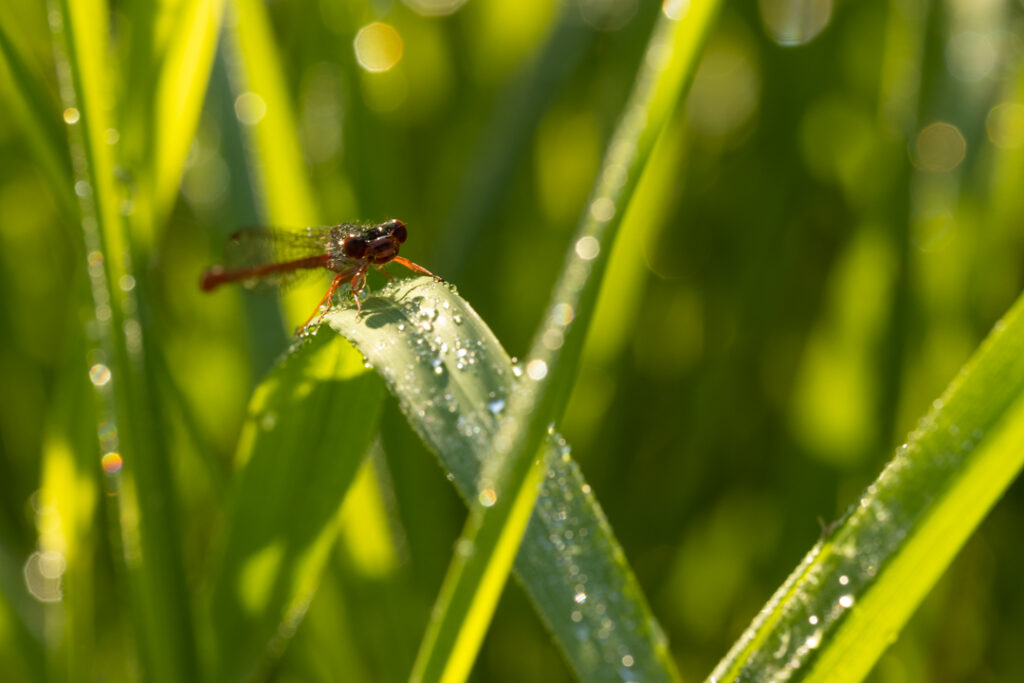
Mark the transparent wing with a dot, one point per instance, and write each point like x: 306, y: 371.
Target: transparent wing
x: 298, y: 253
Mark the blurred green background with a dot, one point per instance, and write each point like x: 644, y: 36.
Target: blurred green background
x: 831, y: 225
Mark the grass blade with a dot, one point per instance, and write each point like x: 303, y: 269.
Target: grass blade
x: 127, y: 416
x: 297, y: 456
x: 453, y: 381
x: 179, y: 93
x: 264, y: 103
x: 35, y: 109
x: 849, y: 598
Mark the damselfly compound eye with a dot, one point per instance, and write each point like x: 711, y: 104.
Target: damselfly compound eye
x: 397, y: 229
x: 354, y: 247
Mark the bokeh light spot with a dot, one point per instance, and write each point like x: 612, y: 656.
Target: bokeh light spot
x: 487, y: 497
x: 99, y: 374
x: 602, y: 209
x: 434, y: 8
x: 562, y: 313
x: 71, y: 116
x: 675, y: 9
x: 378, y: 47
x: 536, y: 370
x: 1005, y: 125
x: 587, y: 248
x: 795, y: 22
x: 42, y: 572
x: 250, y: 108
x: 971, y: 56
x: 939, y: 147
x: 111, y: 463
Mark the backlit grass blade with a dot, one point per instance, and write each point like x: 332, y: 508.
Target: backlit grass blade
x: 453, y: 381
x: 71, y: 496
x: 263, y: 105
x: 127, y: 424
x: 179, y: 93
x: 309, y: 424
x: 473, y: 585
x: 849, y: 598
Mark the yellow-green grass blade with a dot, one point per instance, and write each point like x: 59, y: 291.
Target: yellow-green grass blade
x: 179, y: 93
x: 847, y: 601
x: 263, y: 104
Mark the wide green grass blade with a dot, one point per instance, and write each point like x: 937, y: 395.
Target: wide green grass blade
x: 308, y: 425
x: 453, y: 381
x: 474, y: 582
x: 849, y: 598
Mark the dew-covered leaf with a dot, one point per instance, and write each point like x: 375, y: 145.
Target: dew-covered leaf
x: 453, y: 379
